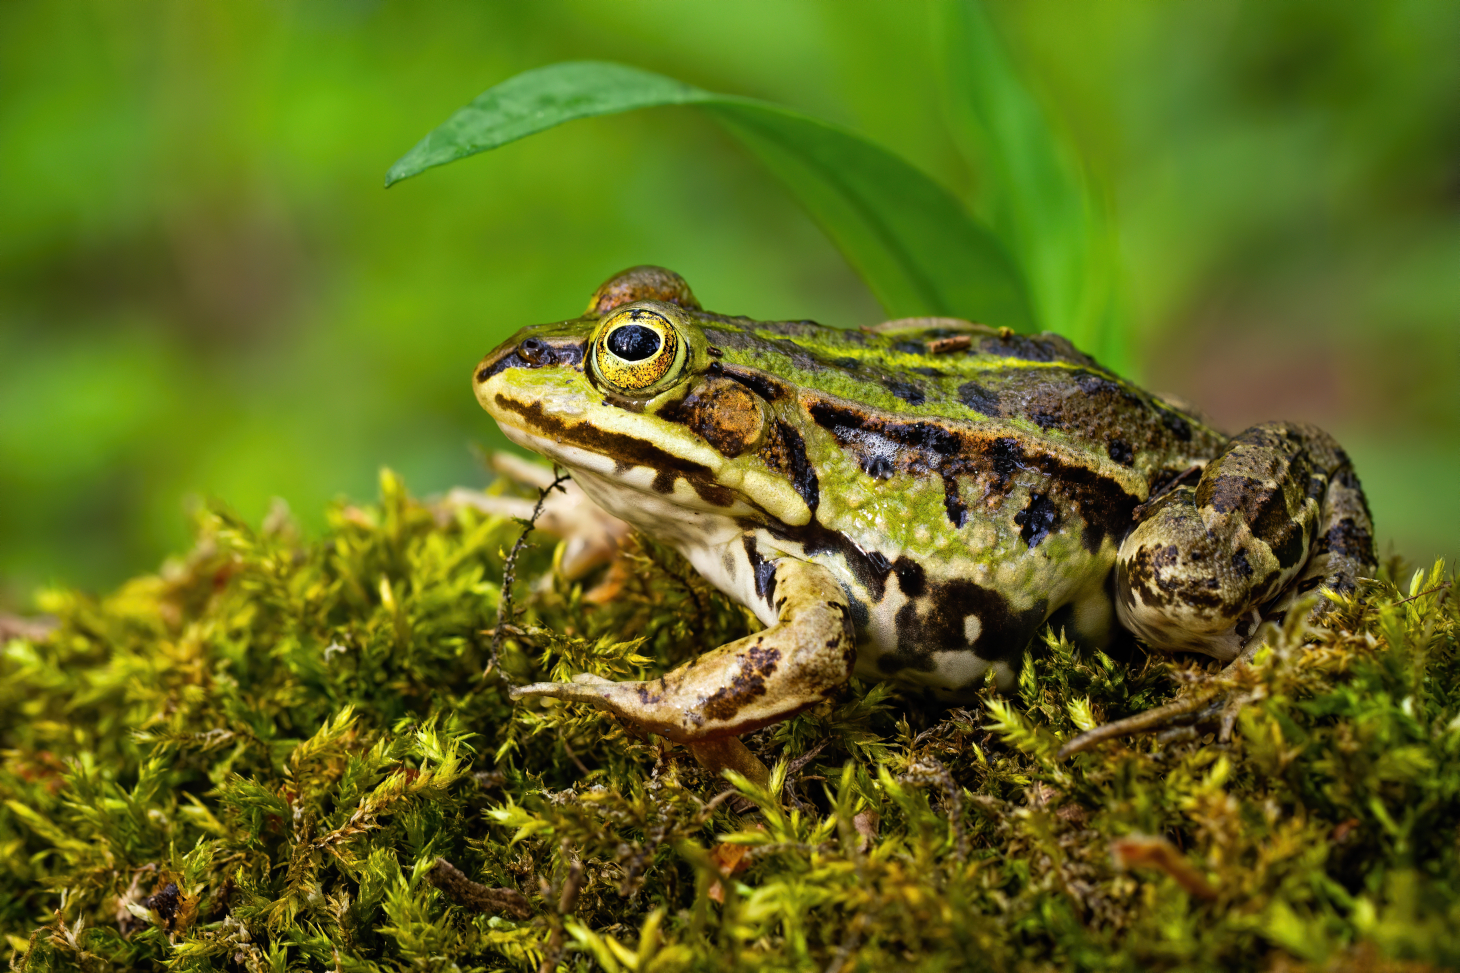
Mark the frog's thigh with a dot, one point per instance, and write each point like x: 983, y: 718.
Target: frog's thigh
x: 746, y: 684
x: 1200, y: 562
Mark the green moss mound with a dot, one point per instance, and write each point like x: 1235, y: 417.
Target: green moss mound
x: 255, y: 759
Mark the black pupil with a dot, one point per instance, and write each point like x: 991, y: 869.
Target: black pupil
x: 633, y: 342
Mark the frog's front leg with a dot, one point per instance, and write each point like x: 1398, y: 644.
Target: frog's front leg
x: 1275, y: 515
x: 742, y: 685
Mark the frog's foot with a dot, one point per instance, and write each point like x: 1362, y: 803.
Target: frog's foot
x: 743, y: 685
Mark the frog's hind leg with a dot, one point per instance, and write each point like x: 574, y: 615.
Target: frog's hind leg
x: 742, y: 685
x: 1278, y: 514
x: 1341, y: 554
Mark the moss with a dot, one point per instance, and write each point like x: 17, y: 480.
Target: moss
x: 255, y: 759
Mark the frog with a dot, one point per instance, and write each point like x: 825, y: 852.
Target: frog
x: 913, y: 501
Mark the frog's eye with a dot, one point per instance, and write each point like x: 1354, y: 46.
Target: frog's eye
x: 637, y: 350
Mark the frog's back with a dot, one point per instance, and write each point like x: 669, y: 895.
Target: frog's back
x: 966, y: 482
x: 955, y: 375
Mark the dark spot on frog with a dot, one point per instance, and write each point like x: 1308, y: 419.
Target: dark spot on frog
x: 1092, y: 384
x: 1178, y: 425
x: 1119, y: 450
x: 953, y: 502
x: 1347, y: 539
x: 1309, y: 585
x: 757, y: 664
x: 1036, y: 348
x: 849, y: 629
x: 785, y: 452
x: 910, y: 577
x: 1346, y: 477
x: 838, y: 420
x: 799, y: 357
x: 935, y: 623
x: 879, y: 563
x: 1045, y: 420
x: 931, y: 372
x: 1062, y: 619
x: 764, y: 571
x: 1018, y: 346
x: 908, y: 392
x: 869, y: 568
x: 979, y: 399
x: 1264, y: 508
x: 877, y: 467
x: 626, y: 451
x: 1240, y: 563
x: 803, y: 474
x: 1005, y: 455
x: 1162, y: 483
x: 714, y: 352
x: 1037, y: 520
x: 849, y: 364
x: 926, y: 435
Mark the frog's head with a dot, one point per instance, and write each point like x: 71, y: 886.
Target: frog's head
x: 633, y: 399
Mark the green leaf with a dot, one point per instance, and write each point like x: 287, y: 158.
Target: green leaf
x: 914, y: 244
x: 1033, y: 190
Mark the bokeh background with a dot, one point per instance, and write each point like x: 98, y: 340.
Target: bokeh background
x: 204, y: 290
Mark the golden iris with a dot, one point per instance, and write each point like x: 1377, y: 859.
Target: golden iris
x: 636, y: 349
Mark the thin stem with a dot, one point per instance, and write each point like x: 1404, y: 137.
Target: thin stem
x: 506, y: 611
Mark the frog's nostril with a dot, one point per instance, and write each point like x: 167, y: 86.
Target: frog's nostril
x: 633, y: 342
x: 535, y: 351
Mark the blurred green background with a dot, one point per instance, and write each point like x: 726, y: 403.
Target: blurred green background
x: 205, y: 290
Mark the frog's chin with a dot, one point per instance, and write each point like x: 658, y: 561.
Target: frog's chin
x: 574, y: 458
x: 616, y: 486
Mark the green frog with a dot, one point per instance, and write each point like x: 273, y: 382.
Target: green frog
x: 913, y: 501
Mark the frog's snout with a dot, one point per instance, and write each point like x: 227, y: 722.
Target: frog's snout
x: 527, y: 352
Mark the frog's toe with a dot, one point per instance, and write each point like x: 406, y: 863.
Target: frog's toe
x: 584, y: 688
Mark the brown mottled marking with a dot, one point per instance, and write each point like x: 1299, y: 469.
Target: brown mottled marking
x: 725, y: 414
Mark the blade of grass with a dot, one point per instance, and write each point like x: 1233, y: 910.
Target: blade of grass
x: 1033, y: 190
x: 915, y: 245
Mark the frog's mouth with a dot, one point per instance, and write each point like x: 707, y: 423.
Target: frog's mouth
x: 623, y: 458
